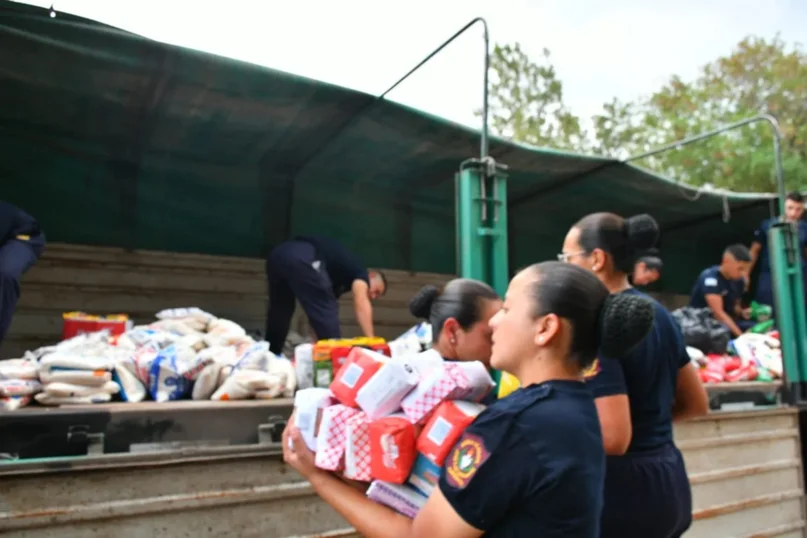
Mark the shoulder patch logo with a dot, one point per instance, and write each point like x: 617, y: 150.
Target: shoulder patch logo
x: 465, y: 459
x: 592, y: 370
x: 711, y: 281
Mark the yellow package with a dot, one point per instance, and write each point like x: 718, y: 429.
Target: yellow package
x: 507, y: 385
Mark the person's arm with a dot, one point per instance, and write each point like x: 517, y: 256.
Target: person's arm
x: 607, y: 382
x: 691, y: 399
x: 756, y: 248
x: 363, y: 307
x: 487, y: 498
x: 715, y: 304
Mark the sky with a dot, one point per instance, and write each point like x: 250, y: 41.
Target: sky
x: 600, y: 49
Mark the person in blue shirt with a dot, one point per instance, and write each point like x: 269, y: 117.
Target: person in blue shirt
x: 317, y: 271
x: 720, y: 288
x: 21, y: 244
x: 459, y: 314
x: 760, y: 255
x: 531, y: 464
x: 638, y: 394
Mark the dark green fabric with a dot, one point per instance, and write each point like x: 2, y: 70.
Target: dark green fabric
x: 113, y: 139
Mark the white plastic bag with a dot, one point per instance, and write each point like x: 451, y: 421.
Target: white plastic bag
x: 193, y: 317
x: 19, y: 369
x: 125, y: 375
x: 67, y: 390
x: 208, y: 380
x: 45, y: 399
x: 12, y: 403
x: 74, y: 362
x: 19, y: 387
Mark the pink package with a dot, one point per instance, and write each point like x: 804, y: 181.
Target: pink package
x: 473, y: 380
x: 357, y: 448
x: 451, y: 381
x: 332, y: 437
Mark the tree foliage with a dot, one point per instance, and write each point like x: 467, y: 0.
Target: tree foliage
x: 759, y: 76
x: 526, y: 101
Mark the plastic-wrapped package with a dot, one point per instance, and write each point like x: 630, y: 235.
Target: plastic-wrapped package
x: 46, y: 399
x: 19, y: 369
x: 19, y: 387
x: 193, y: 317
x: 169, y: 373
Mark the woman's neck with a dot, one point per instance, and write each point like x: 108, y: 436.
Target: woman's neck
x: 541, y: 370
x: 616, y: 283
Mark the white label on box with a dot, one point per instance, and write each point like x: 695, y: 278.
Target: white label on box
x: 323, y: 378
x: 439, y: 431
x: 351, y: 375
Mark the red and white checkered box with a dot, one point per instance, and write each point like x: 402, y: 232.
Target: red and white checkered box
x: 357, y: 449
x: 472, y: 378
x: 435, y: 387
x: 332, y: 437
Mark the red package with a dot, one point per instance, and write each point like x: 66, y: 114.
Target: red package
x: 744, y: 373
x: 360, y: 366
x: 732, y: 363
x: 392, y: 448
x: 714, y: 372
x: 444, y: 427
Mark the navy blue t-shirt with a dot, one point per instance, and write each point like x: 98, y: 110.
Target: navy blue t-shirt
x: 761, y: 237
x: 342, y: 266
x: 14, y: 221
x: 531, y: 464
x: 712, y: 282
x: 648, y: 375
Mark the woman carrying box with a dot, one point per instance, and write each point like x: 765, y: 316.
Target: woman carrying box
x: 459, y: 314
x: 532, y: 464
x: 638, y: 394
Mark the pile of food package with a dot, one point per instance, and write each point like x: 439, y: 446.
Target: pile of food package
x: 749, y: 357
x: 186, y: 353
x: 391, y: 421
x: 316, y: 363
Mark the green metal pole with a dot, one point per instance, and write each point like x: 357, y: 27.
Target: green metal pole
x: 788, y: 290
x: 481, y: 187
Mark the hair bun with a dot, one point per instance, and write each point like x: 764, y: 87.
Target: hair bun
x: 625, y: 320
x: 420, y: 305
x: 642, y: 230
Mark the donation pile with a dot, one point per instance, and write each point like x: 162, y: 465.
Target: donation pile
x: 186, y: 353
x: 391, y: 421
x: 750, y: 357
x: 19, y: 381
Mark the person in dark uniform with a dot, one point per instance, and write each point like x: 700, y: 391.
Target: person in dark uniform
x: 317, y: 271
x: 647, y: 270
x: 531, y: 464
x: 21, y: 245
x: 459, y: 314
x: 760, y: 255
x: 720, y: 288
x: 638, y: 394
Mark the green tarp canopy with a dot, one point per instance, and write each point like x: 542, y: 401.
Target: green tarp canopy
x: 109, y: 138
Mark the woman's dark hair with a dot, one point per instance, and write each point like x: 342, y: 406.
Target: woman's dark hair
x: 622, y: 238
x: 652, y: 263
x: 460, y: 299
x: 601, y: 322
